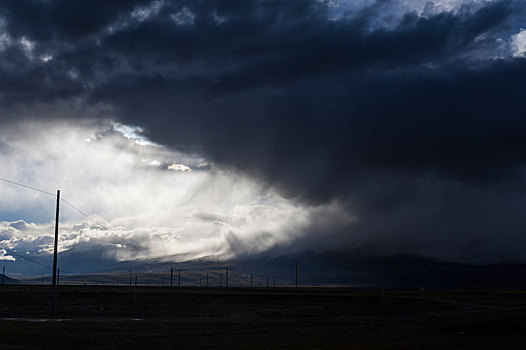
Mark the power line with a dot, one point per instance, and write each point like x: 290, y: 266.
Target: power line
x: 25, y: 258
x: 28, y: 187
x: 80, y: 211
x: 31, y: 260
x: 106, y: 228
x: 11, y: 251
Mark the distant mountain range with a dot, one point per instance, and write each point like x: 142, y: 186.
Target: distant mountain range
x: 329, y: 268
x: 339, y: 268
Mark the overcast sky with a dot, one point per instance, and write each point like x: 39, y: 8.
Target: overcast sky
x: 240, y: 127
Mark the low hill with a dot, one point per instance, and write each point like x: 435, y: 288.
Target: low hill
x: 8, y: 280
x: 331, y: 268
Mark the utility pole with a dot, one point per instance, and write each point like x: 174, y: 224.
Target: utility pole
x: 296, y: 273
x: 250, y: 280
x: 226, y: 283
x: 54, y: 281
x: 171, y: 277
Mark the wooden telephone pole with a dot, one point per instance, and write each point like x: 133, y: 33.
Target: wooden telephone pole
x: 54, y: 281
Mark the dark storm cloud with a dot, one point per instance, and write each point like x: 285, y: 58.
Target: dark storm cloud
x: 48, y: 20
x: 377, y: 117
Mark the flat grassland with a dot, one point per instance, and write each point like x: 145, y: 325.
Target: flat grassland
x: 96, y: 317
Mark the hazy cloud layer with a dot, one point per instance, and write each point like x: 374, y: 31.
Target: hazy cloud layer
x: 408, y: 113
x: 128, y: 184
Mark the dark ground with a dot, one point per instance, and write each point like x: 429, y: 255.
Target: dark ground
x: 187, y: 318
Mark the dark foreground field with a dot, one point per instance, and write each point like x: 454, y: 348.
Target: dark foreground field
x: 160, y: 318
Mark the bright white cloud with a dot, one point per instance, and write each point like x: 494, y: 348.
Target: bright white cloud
x: 518, y: 43
x: 4, y: 255
x: 135, y: 133
x: 102, y: 170
x: 179, y: 167
x: 46, y: 58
